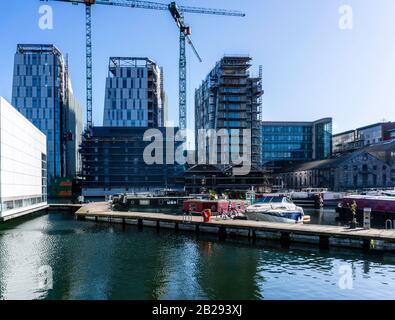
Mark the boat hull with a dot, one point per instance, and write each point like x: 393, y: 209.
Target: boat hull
x: 276, y: 216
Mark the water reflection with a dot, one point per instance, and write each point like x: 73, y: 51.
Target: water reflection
x: 101, y: 261
x: 326, y: 216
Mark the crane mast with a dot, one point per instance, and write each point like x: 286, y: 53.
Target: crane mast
x: 177, y: 13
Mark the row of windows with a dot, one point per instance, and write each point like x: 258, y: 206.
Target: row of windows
x: 127, y: 72
x: 232, y: 115
x: 365, y: 167
x: 286, y: 129
x: 119, y: 83
x: 36, y: 71
x: 232, y: 123
x: 122, y: 115
x: 37, y: 92
x: 286, y: 155
x: 287, y: 138
x: 36, y: 58
x: 128, y: 104
x: 232, y: 90
x: 231, y: 106
x: 232, y: 98
x: 287, y: 147
x: 115, y: 93
x: 20, y: 203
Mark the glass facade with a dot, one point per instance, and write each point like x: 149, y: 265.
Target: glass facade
x: 134, y: 92
x: 42, y: 94
x: 113, y: 162
x: 296, y: 141
x: 287, y: 142
x: 323, y: 139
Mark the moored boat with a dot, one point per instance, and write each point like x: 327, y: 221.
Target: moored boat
x: 316, y: 197
x: 231, y: 208
x: 275, y: 209
x: 382, y: 208
x: 149, y: 203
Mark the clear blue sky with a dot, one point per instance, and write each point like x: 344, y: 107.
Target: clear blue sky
x: 312, y: 69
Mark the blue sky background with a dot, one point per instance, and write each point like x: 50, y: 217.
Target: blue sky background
x: 312, y: 69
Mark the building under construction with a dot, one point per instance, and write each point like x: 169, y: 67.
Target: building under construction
x: 113, y: 162
x: 231, y: 99
x: 134, y: 93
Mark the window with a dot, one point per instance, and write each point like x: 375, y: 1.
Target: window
x: 232, y: 123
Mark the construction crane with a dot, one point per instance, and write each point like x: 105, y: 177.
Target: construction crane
x: 177, y: 13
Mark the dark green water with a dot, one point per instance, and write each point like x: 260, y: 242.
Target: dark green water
x: 101, y: 261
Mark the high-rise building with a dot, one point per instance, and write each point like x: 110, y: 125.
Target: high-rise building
x: 284, y: 142
x: 352, y: 140
x: 42, y: 92
x: 134, y: 93
x: 230, y: 98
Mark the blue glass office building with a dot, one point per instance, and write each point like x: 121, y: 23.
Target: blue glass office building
x: 42, y: 92
x: 287, y: 142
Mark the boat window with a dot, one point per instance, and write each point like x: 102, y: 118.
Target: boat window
x: 264, y: 200
x: 277, y: 199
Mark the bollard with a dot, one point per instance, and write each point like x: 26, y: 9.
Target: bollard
x: 367, y: 212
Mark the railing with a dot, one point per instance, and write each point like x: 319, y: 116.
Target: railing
x: 186, y: 217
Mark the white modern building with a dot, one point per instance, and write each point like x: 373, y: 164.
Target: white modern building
x: 23, y: 164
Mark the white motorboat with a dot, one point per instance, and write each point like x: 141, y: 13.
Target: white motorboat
x: 275, y: 209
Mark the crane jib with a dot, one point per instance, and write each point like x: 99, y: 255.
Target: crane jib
x: 177, y: 13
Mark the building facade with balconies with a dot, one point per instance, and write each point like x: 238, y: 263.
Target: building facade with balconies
x: 230, y: 99
x: 353, y: 140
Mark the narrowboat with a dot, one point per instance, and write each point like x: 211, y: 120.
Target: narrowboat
x: 148, y: 203
x: 382, y: 208
x: 234, y: 208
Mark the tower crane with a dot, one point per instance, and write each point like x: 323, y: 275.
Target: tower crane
x: 177, y: 13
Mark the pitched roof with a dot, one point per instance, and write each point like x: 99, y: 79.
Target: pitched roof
x: 325, y: 164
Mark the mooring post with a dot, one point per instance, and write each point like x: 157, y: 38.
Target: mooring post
x: 197, y: 229
x: 254, y: 236
x: 285, y: 237
x: 222, y: 233
x: 96, y: 218
x: 366, y: 245
x: 140, y: 223
x: 123, y: 221
x: 324, y: 242
x: 177, y: 227
x: 157, y: 225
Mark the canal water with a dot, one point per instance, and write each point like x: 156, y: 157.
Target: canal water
x: 55, y: 256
